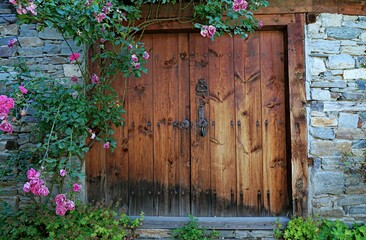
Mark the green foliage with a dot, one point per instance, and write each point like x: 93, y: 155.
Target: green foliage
x: 222, y: 15
x: 354, y: 166
x: 191, y: 231
x: 315, y: 229
x: 72, y: 116
x: 85, y: 222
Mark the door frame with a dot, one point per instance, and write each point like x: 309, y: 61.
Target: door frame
x: 294, y: 27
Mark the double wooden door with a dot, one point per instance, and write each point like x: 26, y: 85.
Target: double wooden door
x: 205, y: 130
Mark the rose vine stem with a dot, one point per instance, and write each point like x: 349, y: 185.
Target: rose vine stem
x: 51, y: 132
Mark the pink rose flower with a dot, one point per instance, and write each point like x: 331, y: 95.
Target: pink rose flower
x: 4, y: 111
x: 204, y: 31
x: 36, y: 181
x: 12, y: 42
x: 137, y: 65
x: 62, y: 172
x: 60, y: 199
x: 105, y: 9
x: 100, y: 17
x: 145, y: 55
x: 74, y: 56
x: 239, y: 5
x: 92, y: 136
x: 43, y: 191
x: 211, y: 30
x: 14, y: 2
x: 134, y: 58
x: 106, y: 145
x: 260, y: 24
x: 69, y: 205
x: 95, y: 79
x: 60, y: 210
x: 76, y: 187
x: 32, y: 174
x: 27, y: 187
x: 130, y: 47
x: 108, y: 4
x: 74, y: 79
x: 5, y: 126
x: 3, y: 115
x: 31, y: 8
x: 3, y: 99
x: 9, y: 103
x: 23, y: 90
x: 35, y: 189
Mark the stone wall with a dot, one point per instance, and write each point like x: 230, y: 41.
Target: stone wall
x: 336, y: 91
x: 42, y: 50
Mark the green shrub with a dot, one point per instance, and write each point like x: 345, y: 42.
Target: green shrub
x: 315, y: 229
x: 85, y: 222
x: 191, y: 231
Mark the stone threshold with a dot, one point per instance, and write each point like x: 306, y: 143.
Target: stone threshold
x: 229, y: 227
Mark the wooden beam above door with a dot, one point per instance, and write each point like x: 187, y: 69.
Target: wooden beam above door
x: 350, y: 7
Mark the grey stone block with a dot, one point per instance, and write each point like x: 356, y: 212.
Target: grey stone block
x: 343, y: 32
x: 325, y: 46
x: 350, y: 133
x: 30, y: 42
x: 328, y: 183
x: 352, y: 200
x: 361, y: 84
x: 50, y: 33
x: 348, y: 120
x: 341, y: 61
x: 327, y: 148
x: 323, y: 133
x: 359, y: 144
x: 52, y: 48
x: 330, y: 212
x: 329, y: 84
x: 8, y: 18
x: 354, y: 96
x: 357, y: 210
x: 7, y: 52
x: 29, y: 51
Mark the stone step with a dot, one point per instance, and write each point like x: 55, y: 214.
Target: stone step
x: 229, y: 227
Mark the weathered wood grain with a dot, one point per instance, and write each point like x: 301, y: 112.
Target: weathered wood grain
x: 274, y: 121
x: 296, y: 74
x: 200, y: 146
x: 249, y: 132
x: 222, y: 136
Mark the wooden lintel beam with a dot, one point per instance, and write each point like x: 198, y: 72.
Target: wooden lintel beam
x: 351, y: 7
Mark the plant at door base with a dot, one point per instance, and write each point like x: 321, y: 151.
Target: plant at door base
x: 86, y: 106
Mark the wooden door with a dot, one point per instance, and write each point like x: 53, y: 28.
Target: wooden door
x: 205, y: 130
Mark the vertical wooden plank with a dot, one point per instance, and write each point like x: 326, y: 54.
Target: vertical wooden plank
x: 117, y: 161
x: 141, y: 140
x: 165, y: 110
x: 183, y: 167
x: 95, y: 157
x: 296, y: 73
x: 249, y: 130
x: 274, y: 122
x: 201, y: 200
x: 222, y: 136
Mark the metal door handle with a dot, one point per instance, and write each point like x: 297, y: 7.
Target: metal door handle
x: 202, y: 122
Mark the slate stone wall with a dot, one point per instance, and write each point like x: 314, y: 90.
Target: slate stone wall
x: 336, y: 92
x: 42, y: 50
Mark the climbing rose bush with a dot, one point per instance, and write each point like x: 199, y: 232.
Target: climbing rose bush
x: 73, y: 114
